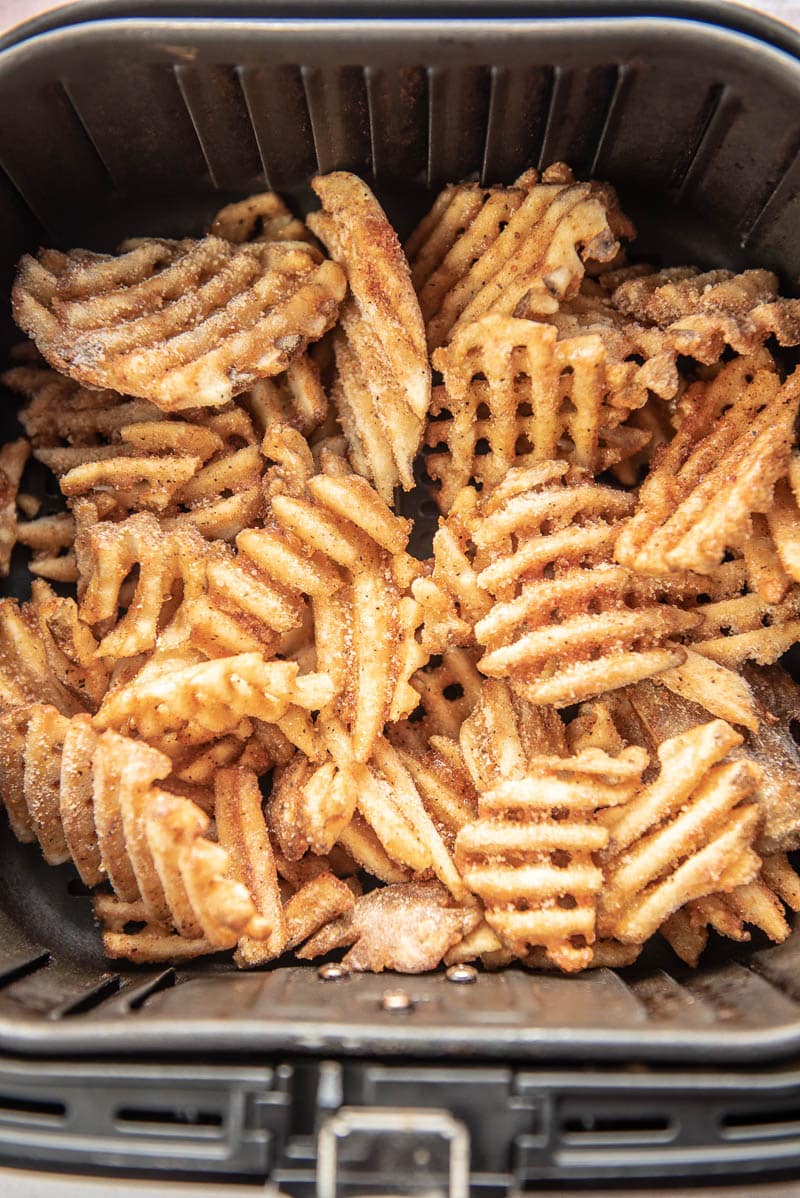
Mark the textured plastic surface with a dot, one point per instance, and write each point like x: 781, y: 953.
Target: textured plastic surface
x: 125, y: 127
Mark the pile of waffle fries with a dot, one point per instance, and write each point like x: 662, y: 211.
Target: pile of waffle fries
x: 253, y: 721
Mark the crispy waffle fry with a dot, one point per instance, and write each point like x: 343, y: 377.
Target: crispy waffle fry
x: 70, y: 647
x: 295, y: 397
x: 167, y: 561
x: 513, y: 394
x: 213, y: 698
x: 383, y: 385
x: 184, y: 324
x: 718, y: 306
x: 758, y: 903
x: 738, y: 625
x: 529, y: 854
x: 504, y: 732
x: 366, y: 629
x: 203, y: 467
x: 25, y: 673
x: 567, y: 624
x: 262, y: 217
x: 686, y: 835
x: 719, y: 469
x: 647, y: 716
x: 500, y: 249
x: 408, y: 928
x: 13, y: 456
x: 150, y: 942
x: 449, y: 595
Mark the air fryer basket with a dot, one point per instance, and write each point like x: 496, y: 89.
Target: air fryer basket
x: 114, y: 127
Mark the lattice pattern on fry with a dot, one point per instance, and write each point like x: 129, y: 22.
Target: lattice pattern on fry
x: 203, y: 467
x: 212, y: 698
x: 719, y: 469
x: 514, y: 394
x: 503, y: 249
x: 529, y: 856
x: 365, y: 628
x: 383, y: 385
x: 407, y: 927
x: 567, y: 623
x: 738, y: 625
x: 184, y: 324
x: 688, y: 834
x: 739, y: 310
x: 759, y: 903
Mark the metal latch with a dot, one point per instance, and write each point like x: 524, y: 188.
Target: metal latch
x: 392, y: 1150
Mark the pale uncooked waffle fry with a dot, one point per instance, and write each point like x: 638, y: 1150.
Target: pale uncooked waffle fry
x: 184, y: 324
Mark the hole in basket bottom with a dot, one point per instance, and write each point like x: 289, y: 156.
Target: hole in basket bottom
x: 31, y: 1106
x: 614, y: 1125
x: 753, y: 1123
x: 182, y: 1116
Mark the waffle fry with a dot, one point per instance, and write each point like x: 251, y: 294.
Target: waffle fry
x: 719, y: 469
x: 529, y: 854
x: 500, y: 249
x: 13, y: 457
x: 514, y: 394
x: 408, y: 928
x: 739, y: 310
x: 759, y: 903
x: 685, y: 836
x: 366, y: 629
x: 210, y: 699
x: 567, y: 624
x: 184, y: 324
x: 262, y: 217
x: 382, y: 391
x: 245, y: 601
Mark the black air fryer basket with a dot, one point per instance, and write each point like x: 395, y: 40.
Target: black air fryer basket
x: 127, y: 119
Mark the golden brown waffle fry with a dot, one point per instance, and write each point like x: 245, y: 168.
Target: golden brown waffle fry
x: 317, y: 903
x: 449, y: 595
x: 719, y: 469
x: 365, y: 630
x: 149, y: 943
x: 647, y: 715
x: 69, y: 646
x: 738, y: 625
x: 504, y: 732
x: 166, y: 560
x: 213, y: 698
x: 448, y: 690
x: 739, y: 310
x: 504, y: 249
x: 514, y: 394
x: 529, y: 854
x: 783, y: 526
x: 567, y: 624
x: 25, y: 673
x: 261, y: 217
x: 408, y: 928
x: 13, y: 456
x: 184, y: 324
x: 758, y: 903
x: 295, y: 397
x: 686, y: 835
x: 242, y: 831
x: 201, y: 466
x: 383, y: 385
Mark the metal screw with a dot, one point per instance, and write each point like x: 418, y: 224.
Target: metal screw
x: 397, y: 1000
x: 463, y: 975
x: 332, y: 972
